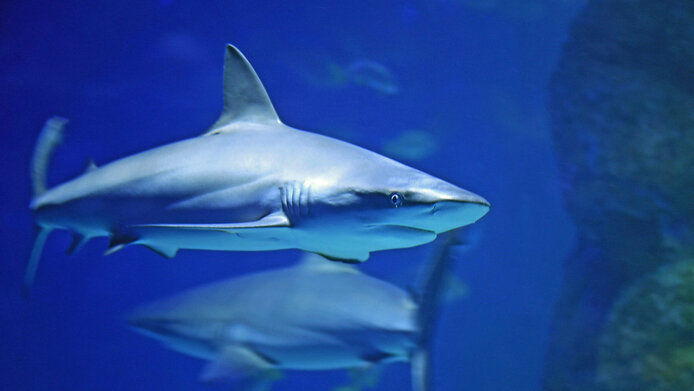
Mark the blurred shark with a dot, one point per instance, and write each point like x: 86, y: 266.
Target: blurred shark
x: 316, y: 315
x: 250, y: 183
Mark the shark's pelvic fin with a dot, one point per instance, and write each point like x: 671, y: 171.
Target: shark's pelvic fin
x: 233, y: 363
x: 30, y: 273
x: 78, y: 241
x: 276, y: 219
x: 118, y: 241
x: 245, y: 98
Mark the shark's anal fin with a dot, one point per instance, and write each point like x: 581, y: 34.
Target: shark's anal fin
x: 30, y: 273
x: 166, y: 252
x: 276, y: 219
x: 234, y: 363
x: 245, y: 98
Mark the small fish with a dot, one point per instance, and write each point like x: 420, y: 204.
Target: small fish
x: 372, y: 74
x: 250, y: 183
x: 316, y: 315
x: 321, y: 70
x: 411, y: 145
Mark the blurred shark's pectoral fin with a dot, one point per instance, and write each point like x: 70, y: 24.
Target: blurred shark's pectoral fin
x: 276, y: 219
x: 234, y: 363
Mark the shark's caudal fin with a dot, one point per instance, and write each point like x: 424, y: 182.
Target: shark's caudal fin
x: 432, y: 286
x: 245, y: 98
x: 51, y: 135
x: 39, y: 241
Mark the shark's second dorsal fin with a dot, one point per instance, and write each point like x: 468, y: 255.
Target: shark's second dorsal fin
x: 245, y: 98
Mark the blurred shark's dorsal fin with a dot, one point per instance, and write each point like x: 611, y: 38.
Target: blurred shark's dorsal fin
x: 319, y: 263
x: 91, y: 166
x: 245, y: 98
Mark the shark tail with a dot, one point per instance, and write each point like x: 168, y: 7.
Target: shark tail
x: 30, y: 273
x: 50, y: 137
x: 432, y: 287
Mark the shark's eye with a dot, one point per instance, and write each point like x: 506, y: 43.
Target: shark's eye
x: 395, y: 199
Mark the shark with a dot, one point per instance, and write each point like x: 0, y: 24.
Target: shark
x: 314, y: 315
x: 249, y: 183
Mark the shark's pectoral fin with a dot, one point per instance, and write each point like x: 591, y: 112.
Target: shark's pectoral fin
x: 276, y: 219
x: 235, y: 363
x: 78, y: 241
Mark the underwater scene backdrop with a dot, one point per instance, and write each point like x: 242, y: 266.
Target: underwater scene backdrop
x: 572, y: 118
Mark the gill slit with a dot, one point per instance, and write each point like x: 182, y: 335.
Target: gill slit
x: 295, y: 198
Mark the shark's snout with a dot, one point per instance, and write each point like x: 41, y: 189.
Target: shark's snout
x: 445, y: 192
x: 449, y: 207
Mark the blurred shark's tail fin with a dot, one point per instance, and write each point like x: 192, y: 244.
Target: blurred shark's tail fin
x: 432, y: 287
x: 50, y: 137
x: 40, y: 239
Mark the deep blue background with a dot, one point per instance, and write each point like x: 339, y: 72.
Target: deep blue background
x: 131, y: 75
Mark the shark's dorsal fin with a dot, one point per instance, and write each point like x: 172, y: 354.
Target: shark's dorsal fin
x: 316, y: 262
x: 245, y: 98
x: 91, y: 166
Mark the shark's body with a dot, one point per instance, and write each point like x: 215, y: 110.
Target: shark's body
x: 253, y: 183
x: 316, y: 315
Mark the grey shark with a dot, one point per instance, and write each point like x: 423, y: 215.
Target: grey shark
x: 316, y: 315
x: 251, y: 183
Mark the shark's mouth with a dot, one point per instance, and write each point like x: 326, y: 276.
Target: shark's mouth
x: 405, y: 234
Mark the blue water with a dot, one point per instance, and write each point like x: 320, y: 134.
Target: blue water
x: 131, y: 75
